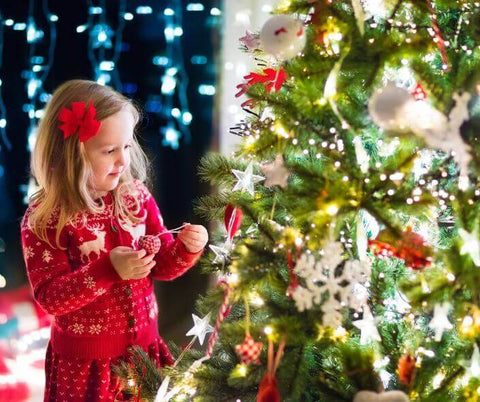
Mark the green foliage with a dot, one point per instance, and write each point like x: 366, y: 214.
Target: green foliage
x: 322, y: 135
x: 143, y: 370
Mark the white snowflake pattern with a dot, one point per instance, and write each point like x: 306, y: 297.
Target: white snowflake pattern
x: 99, y: 291
x: 95, y: 329
x: 332, y: 255
x: 303, y: 298
x: 47, y: 256
x: 89, y: 282
x: 28, y: 251
x: 77, y: 328
x: 330, y: 285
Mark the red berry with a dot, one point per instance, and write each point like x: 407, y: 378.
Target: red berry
x: 151, y: 244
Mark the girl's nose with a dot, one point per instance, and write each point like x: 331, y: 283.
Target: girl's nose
x: 121, y: 159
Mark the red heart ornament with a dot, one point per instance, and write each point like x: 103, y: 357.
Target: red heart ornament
x: 151, y: 244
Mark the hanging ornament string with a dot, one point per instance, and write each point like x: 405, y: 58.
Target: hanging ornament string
x: 279, y: 355
x: 247, y: 317
x: 222, y: 314
x: 230, y: 224
x: 438, y: 37
x: 273, y: 206
x: 180, y: 357
x: 457, y: 30
x: 174, y: 230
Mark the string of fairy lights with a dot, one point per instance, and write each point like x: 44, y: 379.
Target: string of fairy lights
x: 174, y: 80
x: 3, y: 110
x: 174, y: 105
x: 105, y: 43
x: 104, y: 50
x: 39, y: 65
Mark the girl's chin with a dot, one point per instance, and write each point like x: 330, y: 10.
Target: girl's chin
x: 108, y: 185
x: 103, y: 191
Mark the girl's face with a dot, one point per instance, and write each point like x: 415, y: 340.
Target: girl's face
x: 109, y: 151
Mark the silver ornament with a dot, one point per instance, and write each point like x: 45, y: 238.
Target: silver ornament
x: 387, y: 104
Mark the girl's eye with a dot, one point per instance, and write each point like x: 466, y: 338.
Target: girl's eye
x: 128, y: 146
x: 110, y: 151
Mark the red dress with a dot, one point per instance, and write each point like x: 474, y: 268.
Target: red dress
x: 97, y: 315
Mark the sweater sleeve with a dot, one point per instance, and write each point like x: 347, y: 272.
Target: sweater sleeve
x: 173, y: 259
x: 57, y: 288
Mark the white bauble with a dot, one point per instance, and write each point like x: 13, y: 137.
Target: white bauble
x: 422, y: 118
x: 283, y: 36
x: 390, y: 396
x: 386, y: 106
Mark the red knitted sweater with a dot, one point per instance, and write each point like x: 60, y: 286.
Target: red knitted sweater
x: 96, y: 313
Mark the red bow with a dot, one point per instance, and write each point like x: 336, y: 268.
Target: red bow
x: 81, y: 118
x: 273, y: 79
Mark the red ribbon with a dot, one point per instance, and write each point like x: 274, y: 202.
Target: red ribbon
x: 80, y: 119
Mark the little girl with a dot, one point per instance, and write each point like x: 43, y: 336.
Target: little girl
x: 80, y: 241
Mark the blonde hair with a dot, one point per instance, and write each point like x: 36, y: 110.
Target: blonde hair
x: 61, y: 168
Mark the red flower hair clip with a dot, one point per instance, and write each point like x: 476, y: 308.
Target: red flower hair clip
x: 81, y: 118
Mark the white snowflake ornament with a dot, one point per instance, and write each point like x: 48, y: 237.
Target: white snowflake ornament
x: 332, y: 254
x: 303, y: 298
x: 336, y: 286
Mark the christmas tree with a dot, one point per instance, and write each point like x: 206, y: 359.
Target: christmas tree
x: 350, y: 258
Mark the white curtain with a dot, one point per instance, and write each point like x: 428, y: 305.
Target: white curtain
x: 239, y: 15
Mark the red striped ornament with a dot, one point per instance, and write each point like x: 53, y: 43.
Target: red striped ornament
x: 222, y: 314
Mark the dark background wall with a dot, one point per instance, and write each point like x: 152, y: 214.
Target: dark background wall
x: 175, y: 184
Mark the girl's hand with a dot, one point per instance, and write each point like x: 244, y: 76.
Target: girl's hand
x: 131, y: 264
x: 194, y: 237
